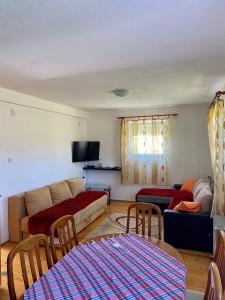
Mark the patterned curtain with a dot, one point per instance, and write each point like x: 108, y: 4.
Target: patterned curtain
x: 145, y: 151
x: 216, y: 129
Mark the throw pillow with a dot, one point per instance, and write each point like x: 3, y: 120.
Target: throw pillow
x: 60, y: 191
x: 201, y: 183
x: 211, y: 182
x: 37, y: 200
x: 188, y: 206
x: 205, y: 198
x: 188, y: 185
x: 76, y: 186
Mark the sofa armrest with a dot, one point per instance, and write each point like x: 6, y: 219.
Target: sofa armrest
x: 16, y: 211
x: 188, y: 230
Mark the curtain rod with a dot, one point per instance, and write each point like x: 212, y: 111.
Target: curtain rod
x: 149, y: 116
x: 217, y: 97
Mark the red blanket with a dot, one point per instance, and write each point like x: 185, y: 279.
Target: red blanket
x: 180, y: 196
x: 41, y: 222
x: 158, y: 192
x: 176, y: 195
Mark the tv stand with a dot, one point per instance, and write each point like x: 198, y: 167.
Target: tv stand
x: 100, y: 187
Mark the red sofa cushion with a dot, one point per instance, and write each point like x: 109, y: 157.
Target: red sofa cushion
x: 42, y: 221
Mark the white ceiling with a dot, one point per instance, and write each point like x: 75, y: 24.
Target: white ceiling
x: 75, y: 51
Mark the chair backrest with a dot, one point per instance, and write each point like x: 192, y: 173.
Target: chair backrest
x: 31, y: 247
x: 214, y: 286
x: 144, y: 208
x: 219, y: 257
x: 64, y: 230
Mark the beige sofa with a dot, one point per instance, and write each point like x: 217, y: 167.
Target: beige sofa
x: 22, y: 206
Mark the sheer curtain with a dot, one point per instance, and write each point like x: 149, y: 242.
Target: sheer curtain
x: 145, y: 151
x: 216, y: 130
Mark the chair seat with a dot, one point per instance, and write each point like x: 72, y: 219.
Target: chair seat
x: 194, y: 295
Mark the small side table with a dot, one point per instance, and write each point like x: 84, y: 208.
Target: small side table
x: 100, y: 187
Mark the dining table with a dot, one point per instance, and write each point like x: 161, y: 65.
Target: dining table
x: 120, y: 266
x: 157, y: 242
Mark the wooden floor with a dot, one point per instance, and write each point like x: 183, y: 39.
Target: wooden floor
x: 197, y: 262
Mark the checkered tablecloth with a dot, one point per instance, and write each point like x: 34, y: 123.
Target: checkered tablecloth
x: 123, y: 267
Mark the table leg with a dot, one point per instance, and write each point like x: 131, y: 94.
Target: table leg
x: 109, y: 195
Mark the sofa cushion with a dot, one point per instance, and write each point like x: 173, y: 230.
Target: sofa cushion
x: 205, y: 198
x: 200, y: 183
x: 188, y: 185
x: 153, y: 199
x: 76, y: 186
x: 60, y: 191
x: 188, y: 206
x: 85, y: 215
x: 41, y: 222
x: 37, y: 200
x: 211, y: 183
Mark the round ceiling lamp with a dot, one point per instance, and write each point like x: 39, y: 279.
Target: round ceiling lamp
x: 120, y: 92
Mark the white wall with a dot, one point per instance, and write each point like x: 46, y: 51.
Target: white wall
x: 35, y: 146
x: 189, y: 145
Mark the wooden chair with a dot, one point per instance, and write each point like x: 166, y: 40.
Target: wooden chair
x: 30, y: 246
x: 219, y: 257
x: 144, y: 208
x: 213, y: 287
x: 64, y: 229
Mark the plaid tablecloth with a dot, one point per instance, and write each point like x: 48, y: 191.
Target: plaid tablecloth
x: 123, y: 267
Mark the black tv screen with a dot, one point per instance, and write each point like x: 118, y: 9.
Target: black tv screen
x: 93, y: 151
x: 79, y: 151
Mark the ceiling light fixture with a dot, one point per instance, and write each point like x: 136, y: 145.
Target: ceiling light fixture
x: 120, y: 92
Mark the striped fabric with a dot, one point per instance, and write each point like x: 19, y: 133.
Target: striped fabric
x: 122, y: 267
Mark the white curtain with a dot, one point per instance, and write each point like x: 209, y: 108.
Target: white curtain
x: 145, y: 151
x: 216, y: 130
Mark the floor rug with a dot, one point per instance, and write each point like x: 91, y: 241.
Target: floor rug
x: 116, y: 223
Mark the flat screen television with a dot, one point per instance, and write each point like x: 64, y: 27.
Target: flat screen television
x: 79, y: 151
x: 93, y: 151
x: 85, y: 151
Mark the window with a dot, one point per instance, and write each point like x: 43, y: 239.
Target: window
x: 144, y: 151
x: 145, y: 145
